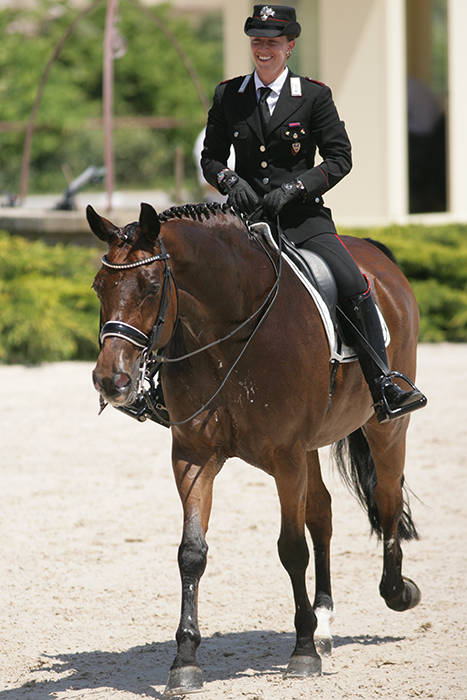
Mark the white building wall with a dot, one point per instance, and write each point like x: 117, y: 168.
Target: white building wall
x: 362, y: 53
x: 457, y: 113
x: 237, y: 59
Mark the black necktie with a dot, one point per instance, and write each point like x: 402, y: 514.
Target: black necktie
x: 263, y: 106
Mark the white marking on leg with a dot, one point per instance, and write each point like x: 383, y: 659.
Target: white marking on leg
x: 325, y: 618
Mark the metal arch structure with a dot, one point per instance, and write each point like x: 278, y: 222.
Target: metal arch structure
x: 107, y: 89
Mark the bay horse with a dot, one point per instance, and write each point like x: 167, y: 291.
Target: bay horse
x: 187, y: 284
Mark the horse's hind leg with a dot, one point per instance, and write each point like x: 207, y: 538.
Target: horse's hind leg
x: 291, y: 482
x: 319, y: 523
x: 194, y: 479
x: 387, y: 445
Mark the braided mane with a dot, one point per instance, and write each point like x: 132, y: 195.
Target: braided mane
x: 195, y: 211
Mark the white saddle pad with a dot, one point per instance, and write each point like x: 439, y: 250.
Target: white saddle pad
x: 337, y: 351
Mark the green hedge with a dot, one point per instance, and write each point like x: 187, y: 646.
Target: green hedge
x: 434, y: 258
x: 48, y: 310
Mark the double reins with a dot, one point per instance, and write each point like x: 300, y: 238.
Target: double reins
x: 266, y: 307
x: 273, y: 291
x: 148, y: 343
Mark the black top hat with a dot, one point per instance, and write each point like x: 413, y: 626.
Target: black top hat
x: 272, y: 20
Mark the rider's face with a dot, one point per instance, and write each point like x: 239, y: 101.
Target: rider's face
x: 270, y: 55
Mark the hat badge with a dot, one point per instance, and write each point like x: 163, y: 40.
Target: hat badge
x: 266, y: 12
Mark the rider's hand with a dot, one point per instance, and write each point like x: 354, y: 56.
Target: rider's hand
x: 276, y: 200
x: 240, y: 194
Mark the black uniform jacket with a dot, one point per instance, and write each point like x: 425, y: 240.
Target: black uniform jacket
x: 299, y: 124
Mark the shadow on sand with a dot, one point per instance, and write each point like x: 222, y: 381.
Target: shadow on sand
x: 141, y: 669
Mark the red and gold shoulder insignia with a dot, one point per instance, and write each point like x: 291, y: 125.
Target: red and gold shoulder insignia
x: 313, y: 80
x: 229, y: 80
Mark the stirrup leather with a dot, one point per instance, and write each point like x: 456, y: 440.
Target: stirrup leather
x: 384, y: 412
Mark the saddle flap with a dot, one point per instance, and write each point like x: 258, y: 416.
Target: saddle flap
x: 316, y: 269
x: 318, y: 280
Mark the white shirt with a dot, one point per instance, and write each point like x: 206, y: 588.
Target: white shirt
x: 276, y: 87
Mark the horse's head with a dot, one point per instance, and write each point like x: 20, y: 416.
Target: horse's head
x: 138, y: 302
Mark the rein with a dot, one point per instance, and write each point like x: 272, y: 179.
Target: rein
x: 149, y: 367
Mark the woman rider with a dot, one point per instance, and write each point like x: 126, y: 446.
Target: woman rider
x: 275, y: 119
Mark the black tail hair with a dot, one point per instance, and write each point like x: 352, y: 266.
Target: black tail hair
x: 357, y: 469
x: 387, y: 251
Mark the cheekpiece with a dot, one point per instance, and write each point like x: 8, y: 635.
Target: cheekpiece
x: 272, y: 20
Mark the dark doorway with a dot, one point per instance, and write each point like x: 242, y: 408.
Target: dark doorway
x: 427, y: 104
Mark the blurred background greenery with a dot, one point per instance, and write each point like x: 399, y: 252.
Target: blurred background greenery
x: 49, y: 312
x: 47, y: 308
x: 150, y: 81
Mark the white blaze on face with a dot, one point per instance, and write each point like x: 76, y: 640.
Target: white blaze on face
x: 121, y: 362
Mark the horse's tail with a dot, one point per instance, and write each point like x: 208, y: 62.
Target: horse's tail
x: 387, y: 251
x: 357, y: 469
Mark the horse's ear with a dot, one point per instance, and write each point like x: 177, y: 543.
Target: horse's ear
x: 149, y: 222
x: 104, y: 229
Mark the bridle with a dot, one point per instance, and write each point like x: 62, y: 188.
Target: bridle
x: 149, y: 365
x: 120, y: 329
x: 147, y: 343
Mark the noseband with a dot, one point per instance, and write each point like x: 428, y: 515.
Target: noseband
x: 120, y: 329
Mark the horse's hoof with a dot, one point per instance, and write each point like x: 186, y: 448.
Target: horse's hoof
x: 184, y: 680
x: 303, y: 666
x: 409, y: 597
x: 323, y: 645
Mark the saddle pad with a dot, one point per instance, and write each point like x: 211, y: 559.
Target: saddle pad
x: 337, y: 349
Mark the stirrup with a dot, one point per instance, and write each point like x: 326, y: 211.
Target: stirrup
x: 383, y: 410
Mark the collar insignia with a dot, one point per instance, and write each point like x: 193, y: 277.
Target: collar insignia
x: 295, y: 86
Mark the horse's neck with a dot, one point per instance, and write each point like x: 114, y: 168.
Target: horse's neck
x: 219, y: 273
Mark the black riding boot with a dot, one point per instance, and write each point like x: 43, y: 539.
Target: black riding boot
x: 389, y: 400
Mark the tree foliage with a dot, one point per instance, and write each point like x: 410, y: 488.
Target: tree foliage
x: 150, y: 80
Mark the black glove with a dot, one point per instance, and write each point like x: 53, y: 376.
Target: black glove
x: 241, y: 195
x: 276, y: 200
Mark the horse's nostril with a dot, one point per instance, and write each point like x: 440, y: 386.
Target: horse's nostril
x: 121, y: 380
x: 96, y: 382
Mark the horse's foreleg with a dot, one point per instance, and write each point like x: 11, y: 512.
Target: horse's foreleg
x: 194, y: 483
x: 399, y: 593
x: 291, y: 481
x: 319, y: 523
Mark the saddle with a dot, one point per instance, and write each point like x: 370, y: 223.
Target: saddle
x: 315, y: 275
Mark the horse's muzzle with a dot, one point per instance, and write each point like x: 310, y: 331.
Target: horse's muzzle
x: 116, y: 389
